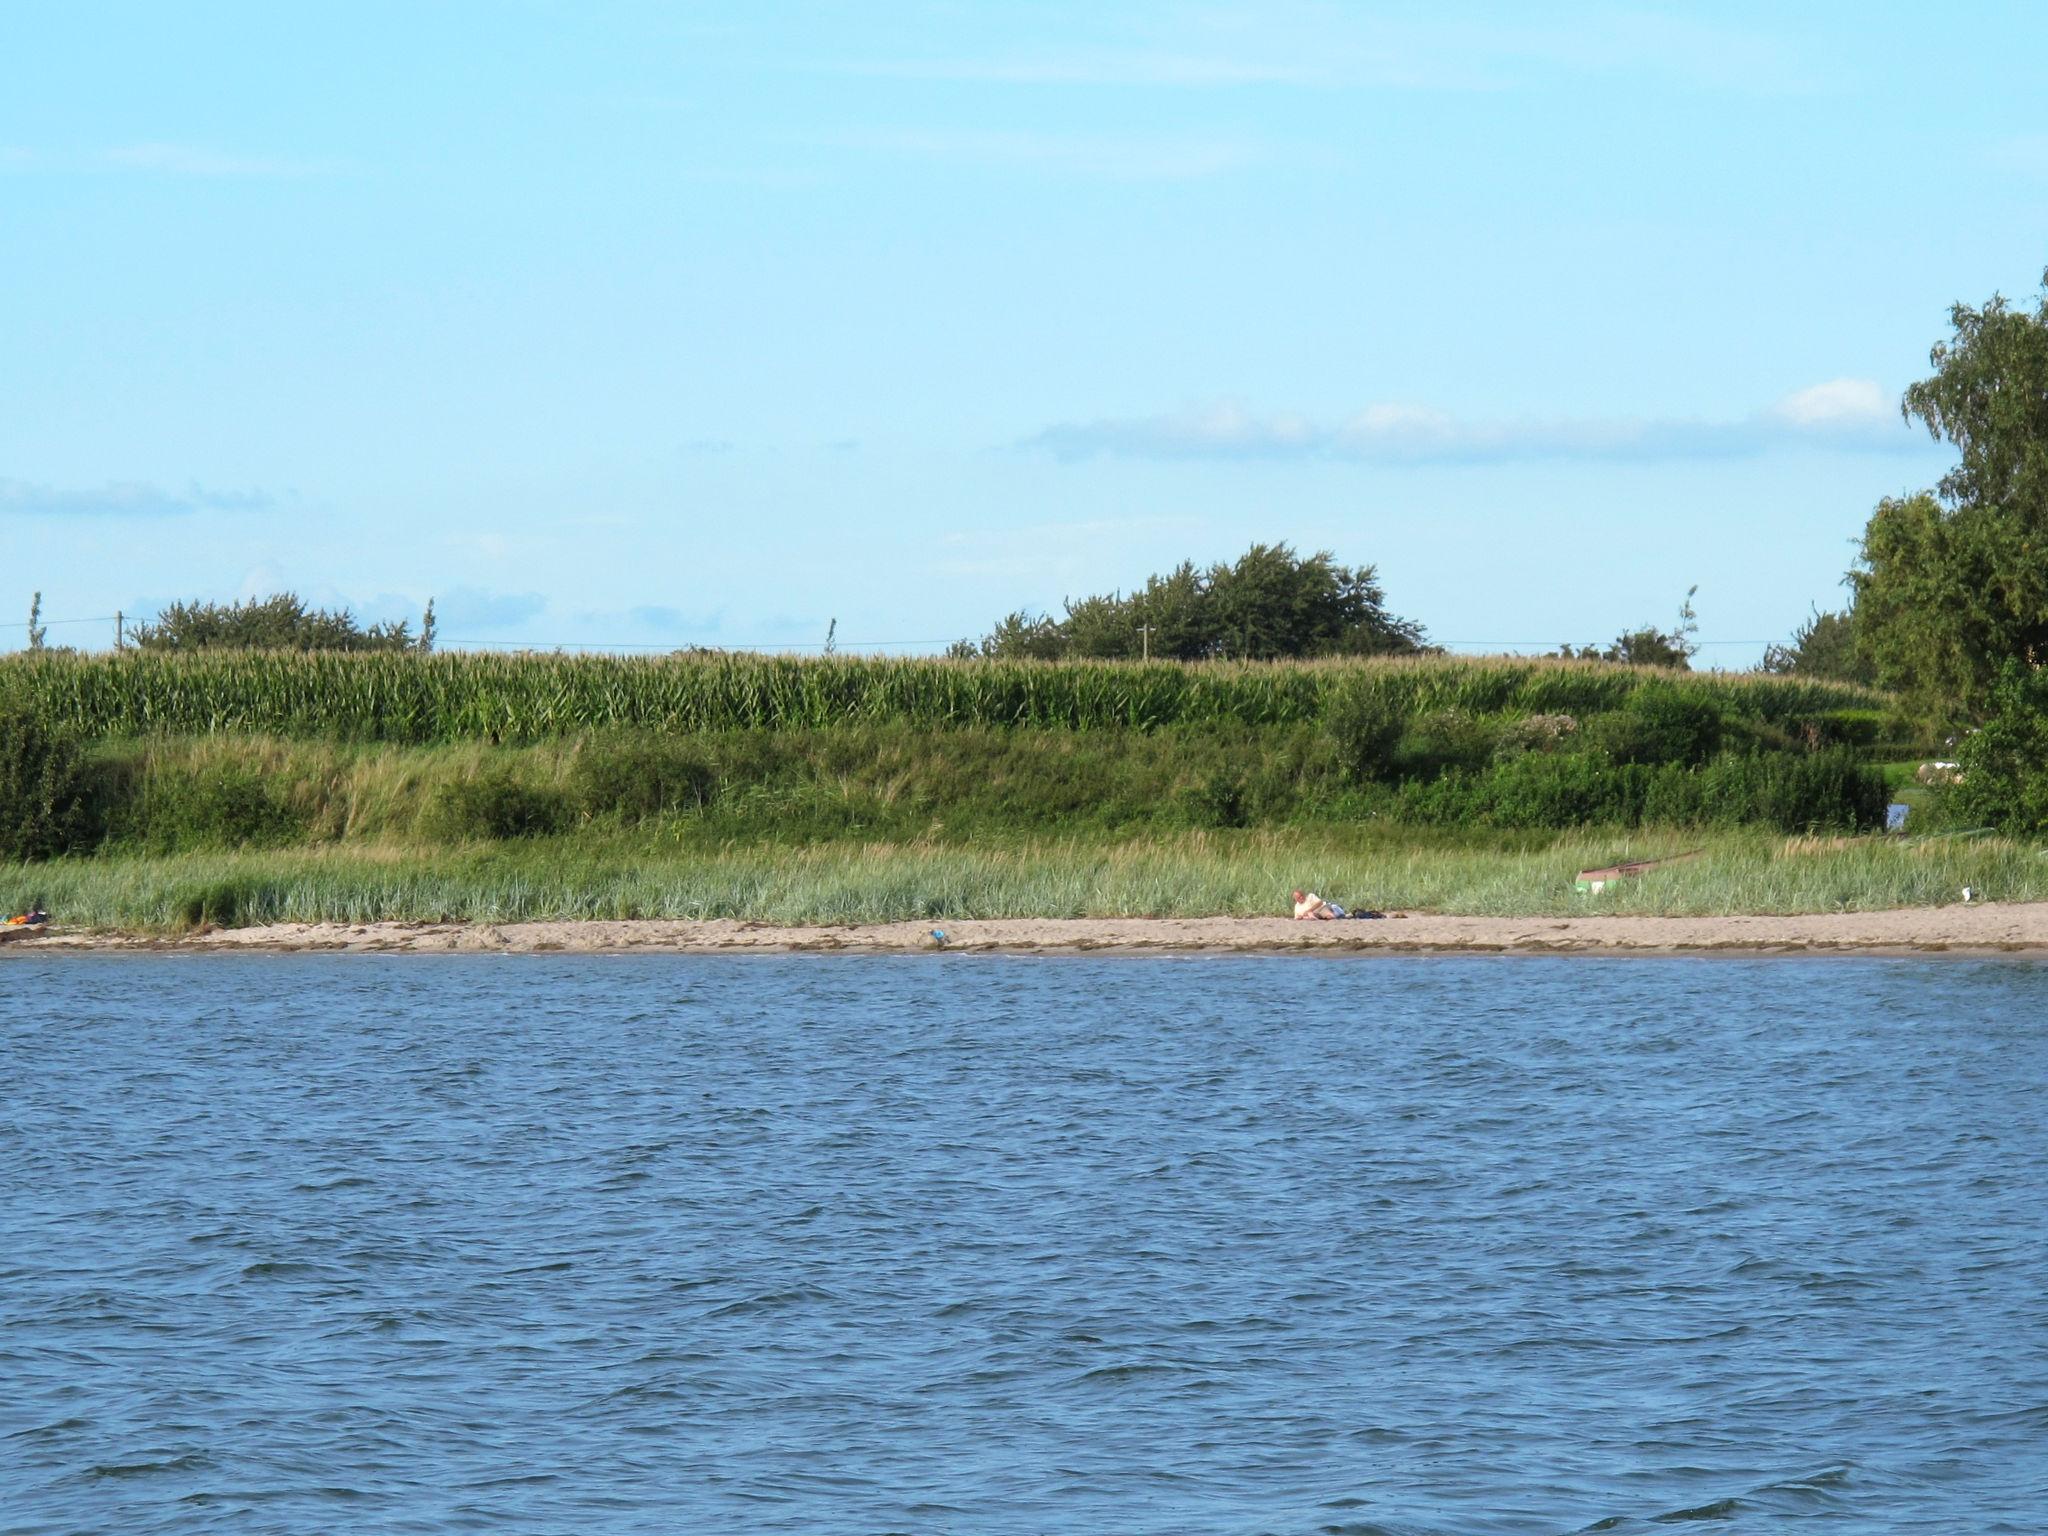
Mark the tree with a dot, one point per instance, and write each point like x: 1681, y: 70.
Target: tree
x: 1648, y: 646
x: 1824, y: 646
x: 425, y: 643
x: 279, y: 623
x: 36, y: 632
x: 1268, y: 603
x: 2004, y: 766
x: 1952, y: 584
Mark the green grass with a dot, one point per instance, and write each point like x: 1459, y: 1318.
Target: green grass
x: 488, y: 698
x: 1184, y: 874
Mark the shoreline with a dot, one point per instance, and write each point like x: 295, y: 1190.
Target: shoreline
x: 1978, y: 928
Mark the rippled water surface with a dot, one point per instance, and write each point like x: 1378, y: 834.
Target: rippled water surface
x: 965, y: 1244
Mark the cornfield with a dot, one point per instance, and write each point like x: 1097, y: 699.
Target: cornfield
x: 459, y: 696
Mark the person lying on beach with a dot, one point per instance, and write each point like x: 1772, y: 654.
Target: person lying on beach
x: 1309, y: 907
x: 34, y: 917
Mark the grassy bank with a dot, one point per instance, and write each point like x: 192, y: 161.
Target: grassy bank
x: 240, y: 788
x: 1182, y: 874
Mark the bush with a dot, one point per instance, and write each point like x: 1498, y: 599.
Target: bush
x: 1218, y: 801
x: 1364, y: 725
x: 1662, y: 724
x: 1535, y: 733
x: 1822, y: 791
x: 635, y: 778
x: 1445, y: 739
x: 50, y: 799
x: 2004, y: 764
x: 494, y: 805
x: 215, y: 806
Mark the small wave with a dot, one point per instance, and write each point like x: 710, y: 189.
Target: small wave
x: 191, y: 1461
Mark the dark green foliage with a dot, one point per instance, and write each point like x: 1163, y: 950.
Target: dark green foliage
x: 1824, y: 646
x: 1364, y: 721
x: 1662, y: 724
x: 1445, y: 739
x: 634, y: 778
x: 1219, y: 800
x: 217, y: 806
x: 1269, y: 603
x: 493, y: 805
x: 280, y: 623
x: 222, y: 903
x: 2004, y: 764
x: 51, y: 798
x: 1949, y: 587
x: 1804, y: 792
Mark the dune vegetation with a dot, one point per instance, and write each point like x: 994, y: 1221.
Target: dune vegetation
x: 220, y: 787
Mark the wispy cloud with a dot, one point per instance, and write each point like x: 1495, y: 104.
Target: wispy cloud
x: 123, y: 498
x: 1846, y: 414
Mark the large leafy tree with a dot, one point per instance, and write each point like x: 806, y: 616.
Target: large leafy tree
x: 1823, y: 646
x: 280, y: 623
x: 1951, y: 585
x: 1270, y: 602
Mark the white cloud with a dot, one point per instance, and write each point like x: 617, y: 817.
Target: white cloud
x: 1836, y: 403
x: 1840, y: 413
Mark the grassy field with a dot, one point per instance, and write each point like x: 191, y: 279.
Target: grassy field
x: 1183, y: 874
x: 466, y: 697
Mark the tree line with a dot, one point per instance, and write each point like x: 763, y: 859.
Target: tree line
x: 1949, y: 590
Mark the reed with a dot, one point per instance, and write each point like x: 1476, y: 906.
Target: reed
x: 1188, y: 874
x: 455, y: 697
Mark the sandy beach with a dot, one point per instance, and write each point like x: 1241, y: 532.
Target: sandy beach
x: 1977, y: 928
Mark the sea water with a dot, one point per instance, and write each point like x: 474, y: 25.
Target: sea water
x: 974, y: 1244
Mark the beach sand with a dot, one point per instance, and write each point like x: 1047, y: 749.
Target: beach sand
x: 1983, y: 927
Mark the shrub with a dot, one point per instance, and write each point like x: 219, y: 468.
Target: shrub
x: 1822, y: 791
x: 1364, y: 725
x: 2004, y: 764
x: 1535, y: 733
x: 493, y: 805
x: 1218, y: 801
x: 214, y: 806
x: 1448, y: 738
x: 50, y: 800
x: 1662, y: 724
x: 635, y: 778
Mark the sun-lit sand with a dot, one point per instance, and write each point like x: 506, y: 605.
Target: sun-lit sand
x: 1978, y: 927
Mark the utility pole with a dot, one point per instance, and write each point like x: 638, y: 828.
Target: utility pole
x: 831, y: 637
x: 1145, y: 636
x: 120, y: 626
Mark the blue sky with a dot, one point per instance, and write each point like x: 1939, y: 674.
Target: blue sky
x: 650, y: 324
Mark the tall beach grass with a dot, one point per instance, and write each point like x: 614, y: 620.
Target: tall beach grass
x: 1187, y: 875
